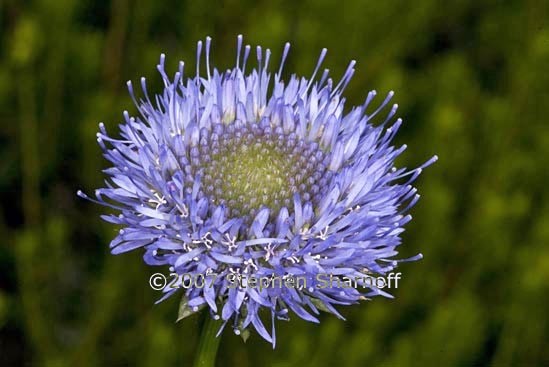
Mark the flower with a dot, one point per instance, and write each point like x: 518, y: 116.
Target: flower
x: 222, y: 177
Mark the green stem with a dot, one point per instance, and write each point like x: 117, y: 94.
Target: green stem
x: 207, y: 349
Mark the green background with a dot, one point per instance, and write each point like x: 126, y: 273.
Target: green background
x: 472, y: 82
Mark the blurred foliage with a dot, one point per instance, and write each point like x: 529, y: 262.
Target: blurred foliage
x: 472, y: 81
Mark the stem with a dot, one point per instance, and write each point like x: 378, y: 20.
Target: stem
x: 207, y: 349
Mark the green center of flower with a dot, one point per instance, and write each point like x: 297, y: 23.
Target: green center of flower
x: 255, y: 175
x: 248, y: 168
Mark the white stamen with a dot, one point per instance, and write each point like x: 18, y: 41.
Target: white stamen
x: 323, y: 233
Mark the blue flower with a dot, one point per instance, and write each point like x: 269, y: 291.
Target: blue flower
x: 239, y: 174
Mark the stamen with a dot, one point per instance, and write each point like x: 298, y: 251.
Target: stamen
x: 208, y: 44
x: 238, y: 50
x: 318, y: 64
x: 198, y: 54
x: 387, y: 99
x: 284, y: 56
x: 246, y: 54
x: 345, y: 79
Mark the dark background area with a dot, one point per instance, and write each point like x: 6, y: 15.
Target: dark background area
x: 472, y: 82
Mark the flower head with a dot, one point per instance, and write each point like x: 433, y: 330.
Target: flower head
x: 219, y: 175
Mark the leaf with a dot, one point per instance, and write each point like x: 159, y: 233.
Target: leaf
x: 185, y: 310
x: 320, y: 305
x: 245, y: 334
